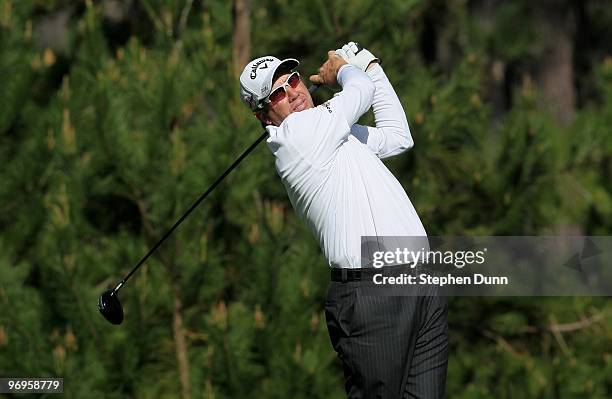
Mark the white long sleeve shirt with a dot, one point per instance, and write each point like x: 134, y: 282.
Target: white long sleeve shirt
x: 331, y: 167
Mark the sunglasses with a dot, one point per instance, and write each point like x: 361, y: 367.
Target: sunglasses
x: 281, y: 92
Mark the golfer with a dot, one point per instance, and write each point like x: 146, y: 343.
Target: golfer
x: 390, y: 346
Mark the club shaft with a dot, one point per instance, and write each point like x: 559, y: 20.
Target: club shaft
x: 311, y: 89
x: 193, y: 206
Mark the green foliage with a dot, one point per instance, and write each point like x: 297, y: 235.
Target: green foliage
x: 106, y: 142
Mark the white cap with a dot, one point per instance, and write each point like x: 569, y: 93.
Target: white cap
x: 256, y: 79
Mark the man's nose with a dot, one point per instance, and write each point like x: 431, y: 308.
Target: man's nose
x: 292, y: 93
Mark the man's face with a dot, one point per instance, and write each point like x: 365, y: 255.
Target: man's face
x: 294, y: 100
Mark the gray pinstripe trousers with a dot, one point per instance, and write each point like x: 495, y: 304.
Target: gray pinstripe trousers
x: 391, y: 347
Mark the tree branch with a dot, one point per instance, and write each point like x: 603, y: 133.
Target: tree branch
x: 503, y: 343
x: 183, y: 19
x: 555, y: 327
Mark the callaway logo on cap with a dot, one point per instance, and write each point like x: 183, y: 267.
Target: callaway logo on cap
x: 256, y: 79
x: 259, y: 65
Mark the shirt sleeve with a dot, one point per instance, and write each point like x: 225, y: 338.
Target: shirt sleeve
x: 391, y: 135
x: 357, y: 92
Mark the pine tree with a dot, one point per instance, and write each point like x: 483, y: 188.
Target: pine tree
x: 105, y: 143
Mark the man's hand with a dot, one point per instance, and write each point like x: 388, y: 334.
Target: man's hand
x: 356, y: 55
x: 329, y: 70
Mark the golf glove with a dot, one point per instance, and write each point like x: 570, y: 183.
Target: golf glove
x: 356, y: 55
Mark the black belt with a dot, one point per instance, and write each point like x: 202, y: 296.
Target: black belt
x: 344, y: 275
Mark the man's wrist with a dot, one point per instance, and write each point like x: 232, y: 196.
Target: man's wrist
x: 340, y: 70
x: 375, y: 71
x: 372, y: 65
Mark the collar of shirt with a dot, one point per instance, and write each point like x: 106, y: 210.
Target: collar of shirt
x: 271, y: 129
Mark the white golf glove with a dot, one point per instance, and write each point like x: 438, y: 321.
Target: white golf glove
x: 356, y: 55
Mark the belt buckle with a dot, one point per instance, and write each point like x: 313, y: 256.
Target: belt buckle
x: 344, y: 273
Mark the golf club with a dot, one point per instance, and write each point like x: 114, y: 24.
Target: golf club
x: 108, y: 303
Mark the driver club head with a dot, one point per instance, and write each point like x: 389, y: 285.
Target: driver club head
x: 110, y: 307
